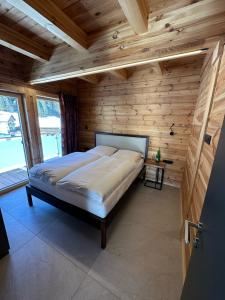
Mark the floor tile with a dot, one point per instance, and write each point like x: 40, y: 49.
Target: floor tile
x: 142, y: 260
x: 37, y: 217
x: 143, y: 276
x: 143, y: 256
x: 92, y: 290
x: 18, y: 235
x: 132, y: 239
x: 154, y: 209
x: 13, y: 199
x: 38, y: 272
x: 77, y: 240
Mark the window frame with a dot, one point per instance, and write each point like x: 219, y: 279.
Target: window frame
x: 48, y: 97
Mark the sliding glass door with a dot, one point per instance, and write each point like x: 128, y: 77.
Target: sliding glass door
x: 13, y: 158
x: 50, y: 127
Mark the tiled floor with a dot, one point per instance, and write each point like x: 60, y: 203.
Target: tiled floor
x: 54, y: 256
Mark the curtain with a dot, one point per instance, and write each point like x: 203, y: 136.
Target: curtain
x: 69, y: 122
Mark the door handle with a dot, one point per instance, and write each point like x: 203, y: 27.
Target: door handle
x: 188, y: 224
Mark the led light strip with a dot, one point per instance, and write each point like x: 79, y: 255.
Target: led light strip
x: 123, y: 66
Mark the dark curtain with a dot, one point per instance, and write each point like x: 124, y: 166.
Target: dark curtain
x: 69, y: 122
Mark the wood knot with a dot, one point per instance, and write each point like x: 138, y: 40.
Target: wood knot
x: 121, y: 47
x: 179, y: 30
x: 158, y: 18
x: 145, y: 50
x: 115, y: 35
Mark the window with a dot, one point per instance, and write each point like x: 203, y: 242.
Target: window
x: 50, y: 127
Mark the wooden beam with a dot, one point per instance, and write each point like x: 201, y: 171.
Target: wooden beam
x: 182, y: 35
x: 136, y: 14
x: 73, y: 73
x: 50, y: 16
x: 120, y: 73
x: 94, y: 79
x: 22, y: 44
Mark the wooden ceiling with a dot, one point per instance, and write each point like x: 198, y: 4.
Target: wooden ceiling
x: 75, y: 38
x: 90, y: 15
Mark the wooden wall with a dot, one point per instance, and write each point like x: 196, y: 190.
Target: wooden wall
x: 212, y: 74
x: 14, y: 68
x: 13, y: 65
x: 147, y: 103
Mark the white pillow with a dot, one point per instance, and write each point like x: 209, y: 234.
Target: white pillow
x: 103, y: 150
x: 128, y: 154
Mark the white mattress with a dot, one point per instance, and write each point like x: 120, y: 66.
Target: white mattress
x: 98, y: 209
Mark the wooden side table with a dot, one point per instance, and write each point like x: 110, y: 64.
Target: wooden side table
x: 4, y: 243
x: 159, y: 174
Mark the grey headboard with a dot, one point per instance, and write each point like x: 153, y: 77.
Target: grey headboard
x: 137, y: 143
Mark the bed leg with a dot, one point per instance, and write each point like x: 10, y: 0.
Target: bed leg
x: 103, y: 234
x: 29, y: 196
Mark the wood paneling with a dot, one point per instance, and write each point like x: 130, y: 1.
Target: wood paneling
x: 50, y: 16
x: 90, y: 15
x: 13, y: 71
x: 20, y: 43
x: 95, y: 15
x: 146, y: 103
x: 121, y: 73
x: 136, y: 13
x: 196, y: 176
x: 13, y: 65
x: 180, y: 30
x: 18, y: 21
x: 94, y: 79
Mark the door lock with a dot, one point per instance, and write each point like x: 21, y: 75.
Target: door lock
x: 188, y: 224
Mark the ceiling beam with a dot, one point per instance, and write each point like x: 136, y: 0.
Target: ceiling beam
x: 120, y: 73
x: 22, y: 44
x: 136, y: 14
x: 50, y: 16
x: 94, y: 79
x: 180, y: 39
x: 66, y: 74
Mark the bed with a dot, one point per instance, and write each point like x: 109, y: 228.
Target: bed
x: 99, y: 207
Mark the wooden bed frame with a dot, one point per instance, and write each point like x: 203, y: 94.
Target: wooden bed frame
x: 100, y: 223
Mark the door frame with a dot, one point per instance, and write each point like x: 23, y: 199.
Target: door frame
x: 24, y: 135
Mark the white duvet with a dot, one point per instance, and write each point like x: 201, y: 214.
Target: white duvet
x: 53, y: 170
x: 98, y: 179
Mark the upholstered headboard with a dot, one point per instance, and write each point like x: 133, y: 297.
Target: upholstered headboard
x: 137, y: 143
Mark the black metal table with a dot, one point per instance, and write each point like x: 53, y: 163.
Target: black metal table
x: 159, y: 174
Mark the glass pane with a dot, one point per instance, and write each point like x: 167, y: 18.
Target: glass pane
x: 12, y: 155
x: 50, y: 127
